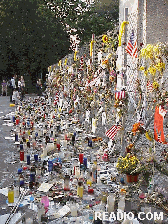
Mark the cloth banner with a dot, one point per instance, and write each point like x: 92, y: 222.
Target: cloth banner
x: 158, y: 125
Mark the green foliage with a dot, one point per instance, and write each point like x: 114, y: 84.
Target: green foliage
x: 31, y: 37
x: 98, y: 19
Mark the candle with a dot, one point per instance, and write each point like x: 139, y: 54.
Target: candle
x: 90, y: 143
x: 21, y: 155
x: 73, y: 210
x: 64, y: 144
x: 13, y: 118
x: 11, y: 194
x: 80, y: 189
x: 50, y: 165
x: 16, y: 137
x: 81, y: 158
x: 28, y: 159
x: 66, y: 183
x: 110, y: 202
x: 29, y: 221
x: 85, y: 162
x: 36, y: 157
x: 77, y: 171
x: 58, y: 147
x: 121, y: 204
x: 17, y: 121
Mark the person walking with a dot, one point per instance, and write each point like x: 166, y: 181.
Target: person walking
x: 22, y: 87
x: 11, y: 85
x: 15, y: 96
x: 4, y: 88
x: 39, y: 87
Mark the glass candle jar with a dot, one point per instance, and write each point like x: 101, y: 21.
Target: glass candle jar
x: 11, y: 194
x: 81, y: 158
x: 66, y: 183
x: 80, y: 189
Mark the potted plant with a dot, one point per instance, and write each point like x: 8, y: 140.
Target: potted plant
x: 129, y: 165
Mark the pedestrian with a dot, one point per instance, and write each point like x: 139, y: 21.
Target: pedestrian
x: 4, y: 88
x: 22, y: 87
x: 39, y: 87
x: 19, y: 85
x: 16, y: 80
x: 15, y: 96
x: 11, y: 85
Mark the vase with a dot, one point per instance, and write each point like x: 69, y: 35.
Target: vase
x: 132, y: 178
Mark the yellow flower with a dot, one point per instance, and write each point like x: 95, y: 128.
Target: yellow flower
x: 155, y: 85
x: 152, y: 70
x: 142, y: 68
x: 105, y: 38
x: 145, y: 73
x: 160, y: 66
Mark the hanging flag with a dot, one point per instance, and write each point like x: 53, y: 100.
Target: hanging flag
x: 131, y: 47
x: 111, y: 133
x: 119, y: 95
x: 158, y: 125
x: 149, y: 86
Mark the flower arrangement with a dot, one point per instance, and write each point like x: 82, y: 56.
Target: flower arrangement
x: 137, y: 127
x: 128, y: 164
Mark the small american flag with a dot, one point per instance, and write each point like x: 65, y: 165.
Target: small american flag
x: 56, y: 98
x: 119, y: 95
x: 131, y: 47
x: 111, y: 133
x: 149, y: 86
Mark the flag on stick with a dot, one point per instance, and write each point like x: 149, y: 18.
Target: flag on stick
x: 149, y: 86
x: 111, y: 133
x: 131, y: 47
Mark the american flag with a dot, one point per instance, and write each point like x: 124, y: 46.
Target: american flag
x: 131, y: 47
x: 56, y: 99
x: 119, y: 95
x: 149, y: 86
x: 111, y: 133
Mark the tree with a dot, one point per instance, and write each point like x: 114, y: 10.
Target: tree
x: 98, y: 19
x: 31, y: 37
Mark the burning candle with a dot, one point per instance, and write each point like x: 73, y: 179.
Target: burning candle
x: 17, y: 121
x: 80, y: 189
x: 81, y: 158
x: 36, y: 157
x: 28, y: 159
x: 85, y: 162
x: 21, y: 155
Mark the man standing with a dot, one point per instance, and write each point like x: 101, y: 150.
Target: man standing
x: 12, y: 85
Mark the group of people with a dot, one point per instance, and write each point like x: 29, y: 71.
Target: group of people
x: 16, y: 89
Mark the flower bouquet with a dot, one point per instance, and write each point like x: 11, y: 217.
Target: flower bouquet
x: 129, y: 166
